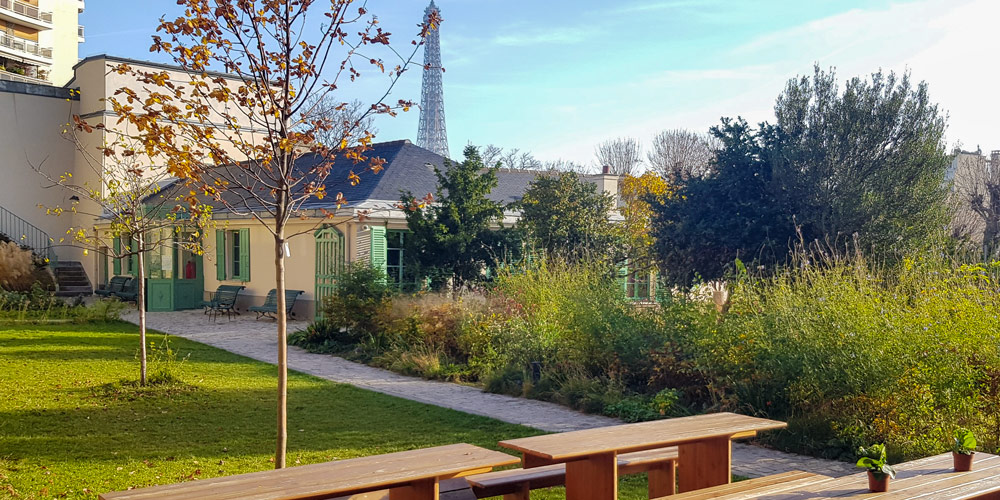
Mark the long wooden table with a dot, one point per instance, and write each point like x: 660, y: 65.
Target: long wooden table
x: 930, y: 478
x: 408, y: 475
x: 704, y: 451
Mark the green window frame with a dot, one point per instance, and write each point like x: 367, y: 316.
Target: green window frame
x: 637, y: 285
x: 232, y: 254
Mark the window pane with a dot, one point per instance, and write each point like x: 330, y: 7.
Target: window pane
x: 393, y: 257
x: 234, y: 253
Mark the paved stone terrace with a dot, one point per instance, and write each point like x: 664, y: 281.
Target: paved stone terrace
x: 258, y: 340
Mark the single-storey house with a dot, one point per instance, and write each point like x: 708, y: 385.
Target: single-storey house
x: 370, y: 228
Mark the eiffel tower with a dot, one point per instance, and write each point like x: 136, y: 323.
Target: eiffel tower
x: 432, y: 134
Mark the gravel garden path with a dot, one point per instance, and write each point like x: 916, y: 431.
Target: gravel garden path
x: 257, y: 340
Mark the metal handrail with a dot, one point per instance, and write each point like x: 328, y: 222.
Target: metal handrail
x: 26, y: 234
x: 26, y: 9
x: 25, y: 45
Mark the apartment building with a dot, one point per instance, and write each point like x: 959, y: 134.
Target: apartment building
x: 39, y: 40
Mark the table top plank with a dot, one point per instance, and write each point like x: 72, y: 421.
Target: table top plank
x: 356, y: 475
x: 640, y: 436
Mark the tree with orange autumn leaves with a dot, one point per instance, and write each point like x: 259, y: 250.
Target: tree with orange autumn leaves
x: 237, y: 138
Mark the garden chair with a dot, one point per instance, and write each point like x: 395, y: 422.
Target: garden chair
x: 270, y: 306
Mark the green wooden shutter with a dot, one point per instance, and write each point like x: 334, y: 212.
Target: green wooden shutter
x: 220, y: 254
x: 623, y: 277
x: 378, y: 248
x: 117, y: 262
x: 133, y: 245
x: 244, y: 254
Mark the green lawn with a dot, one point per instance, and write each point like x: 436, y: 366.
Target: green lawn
x: 65, y: 434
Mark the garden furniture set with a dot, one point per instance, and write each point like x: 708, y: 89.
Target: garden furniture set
x: 224, y: 301
x: 693, y: 453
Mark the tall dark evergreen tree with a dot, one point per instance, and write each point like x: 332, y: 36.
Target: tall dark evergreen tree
x: 452, y: 238
x: 865, y: 165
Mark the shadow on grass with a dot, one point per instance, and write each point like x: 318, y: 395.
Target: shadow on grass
x: 204, y: 422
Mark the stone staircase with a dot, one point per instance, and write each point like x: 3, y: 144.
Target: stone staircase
x: 72, y: 279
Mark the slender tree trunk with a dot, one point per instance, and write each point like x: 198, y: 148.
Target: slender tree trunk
x: 140, y: 302
x: 279, y: 285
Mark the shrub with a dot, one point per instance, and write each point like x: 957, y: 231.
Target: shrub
x: 852, y: 353
x: 15, y: 267
x: 354, y: 312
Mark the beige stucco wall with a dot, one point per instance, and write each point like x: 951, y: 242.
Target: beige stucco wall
x: 31, y: 135
x: 300, y: 266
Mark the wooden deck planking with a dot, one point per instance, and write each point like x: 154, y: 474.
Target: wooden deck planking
x: 761, y: 486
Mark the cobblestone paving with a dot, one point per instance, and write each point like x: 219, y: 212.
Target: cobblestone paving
x: 257, y: 340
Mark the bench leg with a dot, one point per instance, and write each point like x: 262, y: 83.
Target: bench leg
x: 662, y: 479
x: 704, y: 464
x: 594, y: 478
x: 418, y: 490
x: 523, y: 494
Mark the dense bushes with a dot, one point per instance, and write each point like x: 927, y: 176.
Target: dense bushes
x: 39, y: 305
x: 851, y: 354
x: 847, y: 352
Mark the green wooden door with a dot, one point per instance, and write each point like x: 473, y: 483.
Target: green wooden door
x: 329, y: 264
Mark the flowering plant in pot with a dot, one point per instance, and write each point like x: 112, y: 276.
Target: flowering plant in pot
x: 873, y: 458
x: 962, y: 450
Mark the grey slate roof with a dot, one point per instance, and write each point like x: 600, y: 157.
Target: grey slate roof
x: 407, y: 167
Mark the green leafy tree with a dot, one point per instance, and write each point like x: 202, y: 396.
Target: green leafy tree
x: 453, y: 237
x: 866, y: 165
x: 121, y: 190
x: 566, y: 216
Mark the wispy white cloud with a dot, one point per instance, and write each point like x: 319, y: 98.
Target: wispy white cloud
x: 649, y: 6
x: 518, y: 37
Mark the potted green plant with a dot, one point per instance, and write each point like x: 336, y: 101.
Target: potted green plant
x: 873, y: 458
x: 963, y: 449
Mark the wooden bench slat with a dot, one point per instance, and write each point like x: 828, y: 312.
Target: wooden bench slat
x: 516, y: 480
x: 328, y: 479
x: 752, y: 488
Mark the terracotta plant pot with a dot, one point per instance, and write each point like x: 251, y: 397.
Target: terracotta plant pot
x: 879, y: 484
x: 963, y: 463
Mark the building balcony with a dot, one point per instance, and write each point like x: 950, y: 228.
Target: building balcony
x: 79, y: 34
x: 25, y: 14
x: 15, y: 77
x: 80, y: 7
x: 25, y: 50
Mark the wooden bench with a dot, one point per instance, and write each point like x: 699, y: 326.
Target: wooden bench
x: 753, y: 488
x: 407, y: 475
x: 516, y: 484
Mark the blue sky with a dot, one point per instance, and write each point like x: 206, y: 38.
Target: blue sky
x: 556, y: 77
